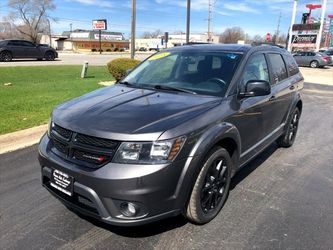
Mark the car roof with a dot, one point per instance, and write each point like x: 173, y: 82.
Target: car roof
x: 241, y: 48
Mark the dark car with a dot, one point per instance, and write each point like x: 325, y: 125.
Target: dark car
x: 12, y: 49
x: 312, y: 59
x: 167, y: 138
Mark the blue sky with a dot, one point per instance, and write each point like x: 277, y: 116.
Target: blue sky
x: 254, y: 16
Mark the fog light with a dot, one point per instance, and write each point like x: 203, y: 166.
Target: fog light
x: 129, y: 209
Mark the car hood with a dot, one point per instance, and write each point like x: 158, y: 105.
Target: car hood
x: 124, y: 113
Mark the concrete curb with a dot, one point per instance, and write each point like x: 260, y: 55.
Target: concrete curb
x: 21, y: 139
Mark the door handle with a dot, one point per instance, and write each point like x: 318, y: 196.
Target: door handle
x: 272, y: 98
x: 292, y: 87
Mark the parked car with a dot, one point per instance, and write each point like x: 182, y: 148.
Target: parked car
x: 329, y: 52
x: 312, y: 59
x: 142, y: 49
x: 168, y: 137
x: 13, y: 49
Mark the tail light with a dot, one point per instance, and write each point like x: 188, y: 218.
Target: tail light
x: 326, y: 58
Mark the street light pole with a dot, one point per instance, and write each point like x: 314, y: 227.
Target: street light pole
x: 291, y: 25
x: 188, y: 20
x: 322, y: 22
x: 133, y: 29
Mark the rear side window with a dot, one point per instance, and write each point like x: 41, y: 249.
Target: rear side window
x: 291, y: 65
x: 279, y: 70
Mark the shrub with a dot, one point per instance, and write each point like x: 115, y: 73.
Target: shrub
x: 119, y: 67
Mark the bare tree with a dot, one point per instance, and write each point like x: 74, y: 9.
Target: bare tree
x: 232, y: 35
x: 7, y: 30
x: 146, y: 34
x: 32, y: 16
x: 157, y: 33
x: 258, y: 39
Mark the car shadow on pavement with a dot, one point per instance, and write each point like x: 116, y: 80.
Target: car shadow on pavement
x: 143, y: 231
x: 252, y: 165
x: 168, y: 224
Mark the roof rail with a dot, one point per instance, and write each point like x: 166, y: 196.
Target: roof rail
x: 196, y: 43
x: 267, y: 44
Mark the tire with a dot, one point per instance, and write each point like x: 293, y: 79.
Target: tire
x: 211, y: 187
x: 314, y: 64
x: 287, y: 139
x: 49, y: 56
x: 5, y: 56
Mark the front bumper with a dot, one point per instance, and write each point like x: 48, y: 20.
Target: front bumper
x: 156, y: 189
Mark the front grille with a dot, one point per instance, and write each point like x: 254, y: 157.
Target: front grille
x: 65, y: 133
x: 97, y: 142
x: 84, y: 150
x: 60, y: 146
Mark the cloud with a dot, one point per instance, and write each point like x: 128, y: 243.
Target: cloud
x: 99, y: 3
x: 241, y: 7
x: 223, y: 13
x: 195, y: 4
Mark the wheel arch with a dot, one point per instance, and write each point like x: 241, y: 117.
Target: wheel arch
x: 224, y: 135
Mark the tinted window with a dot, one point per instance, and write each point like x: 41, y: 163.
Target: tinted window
x: 26, y: 44
x: 291, y: 65
x: 256, y: 69
x: 279, y: 70
x: 2, y: 43
x: 13, y: 43
x: 311, y: 54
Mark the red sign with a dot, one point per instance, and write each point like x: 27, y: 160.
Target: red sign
x: 268, y: 37
x: 99, y: 24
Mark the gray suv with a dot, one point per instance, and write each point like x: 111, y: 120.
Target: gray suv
x: 19, y: 49
x: 168, y: 137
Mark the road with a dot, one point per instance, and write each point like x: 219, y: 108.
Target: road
x: 282, y: 199
x: 75, y: 59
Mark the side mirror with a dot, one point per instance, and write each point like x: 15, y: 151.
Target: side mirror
x: 256, y: 88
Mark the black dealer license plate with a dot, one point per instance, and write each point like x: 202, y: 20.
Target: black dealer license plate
x: 62, y: 182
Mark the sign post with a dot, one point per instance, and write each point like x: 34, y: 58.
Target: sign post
x: 100, y: 25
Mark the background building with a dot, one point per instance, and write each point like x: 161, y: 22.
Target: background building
x: 174, y: 40
x: 87, y: 40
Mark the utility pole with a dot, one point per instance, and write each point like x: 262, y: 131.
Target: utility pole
x: 188, y: 21
x: 133, y: 29
x: 278, y: 30
x: 291, y: 25
x: 322, y: 22
x: 209, y: 20
x: 71, y: 27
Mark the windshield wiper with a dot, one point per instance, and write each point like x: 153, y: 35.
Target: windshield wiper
x: 126, y: 83
x: 164, y: 87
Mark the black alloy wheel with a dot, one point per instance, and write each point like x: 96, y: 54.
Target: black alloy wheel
x: 5, y: 56
x: 288, y: 138
x: 49, y: 56
x: 214, y: 186
x: 211, y: 188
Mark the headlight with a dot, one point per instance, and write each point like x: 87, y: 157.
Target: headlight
x: 158, y: 152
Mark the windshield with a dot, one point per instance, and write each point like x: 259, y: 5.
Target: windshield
x: 206, y: 73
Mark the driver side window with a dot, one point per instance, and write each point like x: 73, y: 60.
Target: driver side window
x: 256, y: 69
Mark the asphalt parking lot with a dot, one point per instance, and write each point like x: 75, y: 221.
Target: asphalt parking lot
x: 283, y: 199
